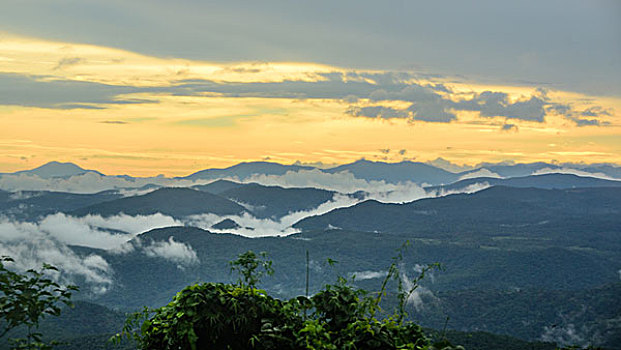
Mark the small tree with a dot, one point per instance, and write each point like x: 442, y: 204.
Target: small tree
x: 246, y: 266
x: 25, y: 299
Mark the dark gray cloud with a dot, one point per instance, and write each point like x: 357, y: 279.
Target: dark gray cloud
x: 431, y: 106
x: 595, y: 111
x: 586, y: 122
x: 430, y: 102
x: 529, y: 40
x: 497, y: 104
x: 113, y: 122
x: 589, y: 117
x: 432, y: 111
x: 412, y: 93
x: 427, y: 104
x: 27, y: 91
x: 67, y: 61
x: 559, y: 108
x: 509, y: 127
x: 378, y: 112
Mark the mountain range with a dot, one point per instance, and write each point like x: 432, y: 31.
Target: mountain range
x: 525, y: 252
x: 416, y: 172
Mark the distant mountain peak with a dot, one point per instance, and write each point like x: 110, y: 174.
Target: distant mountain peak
x: 396, y: 172
x: 55, y: 169
x: 246, y: 169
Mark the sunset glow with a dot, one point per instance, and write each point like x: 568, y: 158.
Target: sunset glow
x: 125, y: 112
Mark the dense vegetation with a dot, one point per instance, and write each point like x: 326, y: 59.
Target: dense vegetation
x: 238, y: 317
x: 241, y: 316
x: 25, y: 299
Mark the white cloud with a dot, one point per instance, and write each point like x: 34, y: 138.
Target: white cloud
x: 88, y: 183
x: 344, y: 182
x: 563, y: 335
x: 130, y: 192
x: 254, y: 227
x: 572, y: 171
x: 94, y: 231
x: 367, y: 275
x: 33, y: 243
x: 483, y: 172
x: 177, y: 252
x: 130, y: 224
x: 30, y: 248
x: 476, y: 187
x: 416, y: 298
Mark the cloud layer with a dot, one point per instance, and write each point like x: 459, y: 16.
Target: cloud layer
x: 48, y: 241
x: 177, y: 252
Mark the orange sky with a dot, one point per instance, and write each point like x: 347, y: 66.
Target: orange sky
x: 144, y: 127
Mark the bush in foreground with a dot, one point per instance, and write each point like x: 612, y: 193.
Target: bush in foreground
x: 240, y: 317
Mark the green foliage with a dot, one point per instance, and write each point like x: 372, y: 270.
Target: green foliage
x: 342, y: 320
x: 221, y: 316
x: 25, y: 299
x: 247, y: 264
x: 236, y: 317
x: 403, y: 292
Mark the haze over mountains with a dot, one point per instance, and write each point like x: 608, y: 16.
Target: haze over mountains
x: 539, y: 229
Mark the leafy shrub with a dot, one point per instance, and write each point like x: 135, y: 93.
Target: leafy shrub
x: 221, y: 316
x: 27, y: 298
x: 240, y: 317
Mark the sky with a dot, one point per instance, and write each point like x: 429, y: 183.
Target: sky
x: 160, y: 87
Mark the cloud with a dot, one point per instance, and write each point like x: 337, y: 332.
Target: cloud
x: 318, y: 165
x: 130, y: 192
x: 441, y: 105
x: 563, y: 335
x: 367, y: 275
x: 48, y: 241
x: 177, y: 252
x: 251, y: 226
x: 564, y: 170
x: 31, y: 247
x: 86, y: 183
x: 70, y: 231
x: 66, y: 62
x: 22, y: 90
x: 509, y: 127
x: 378, y: 112
x: 343, y: 182
x: 113, y: 122
x: 476, y: 187
x: 91, y: 231
x: 483, y: 172
x: 558, y: 108
x: 293, y: 35
x: 596, y: 111
x: 431, y: 102
x: 412, y: 92
x: 586, y: 122
x: 420, y: 295
x: 427, y: 105
x: 432, y: 111
x: 497, y: 104
x: 588, y: 117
